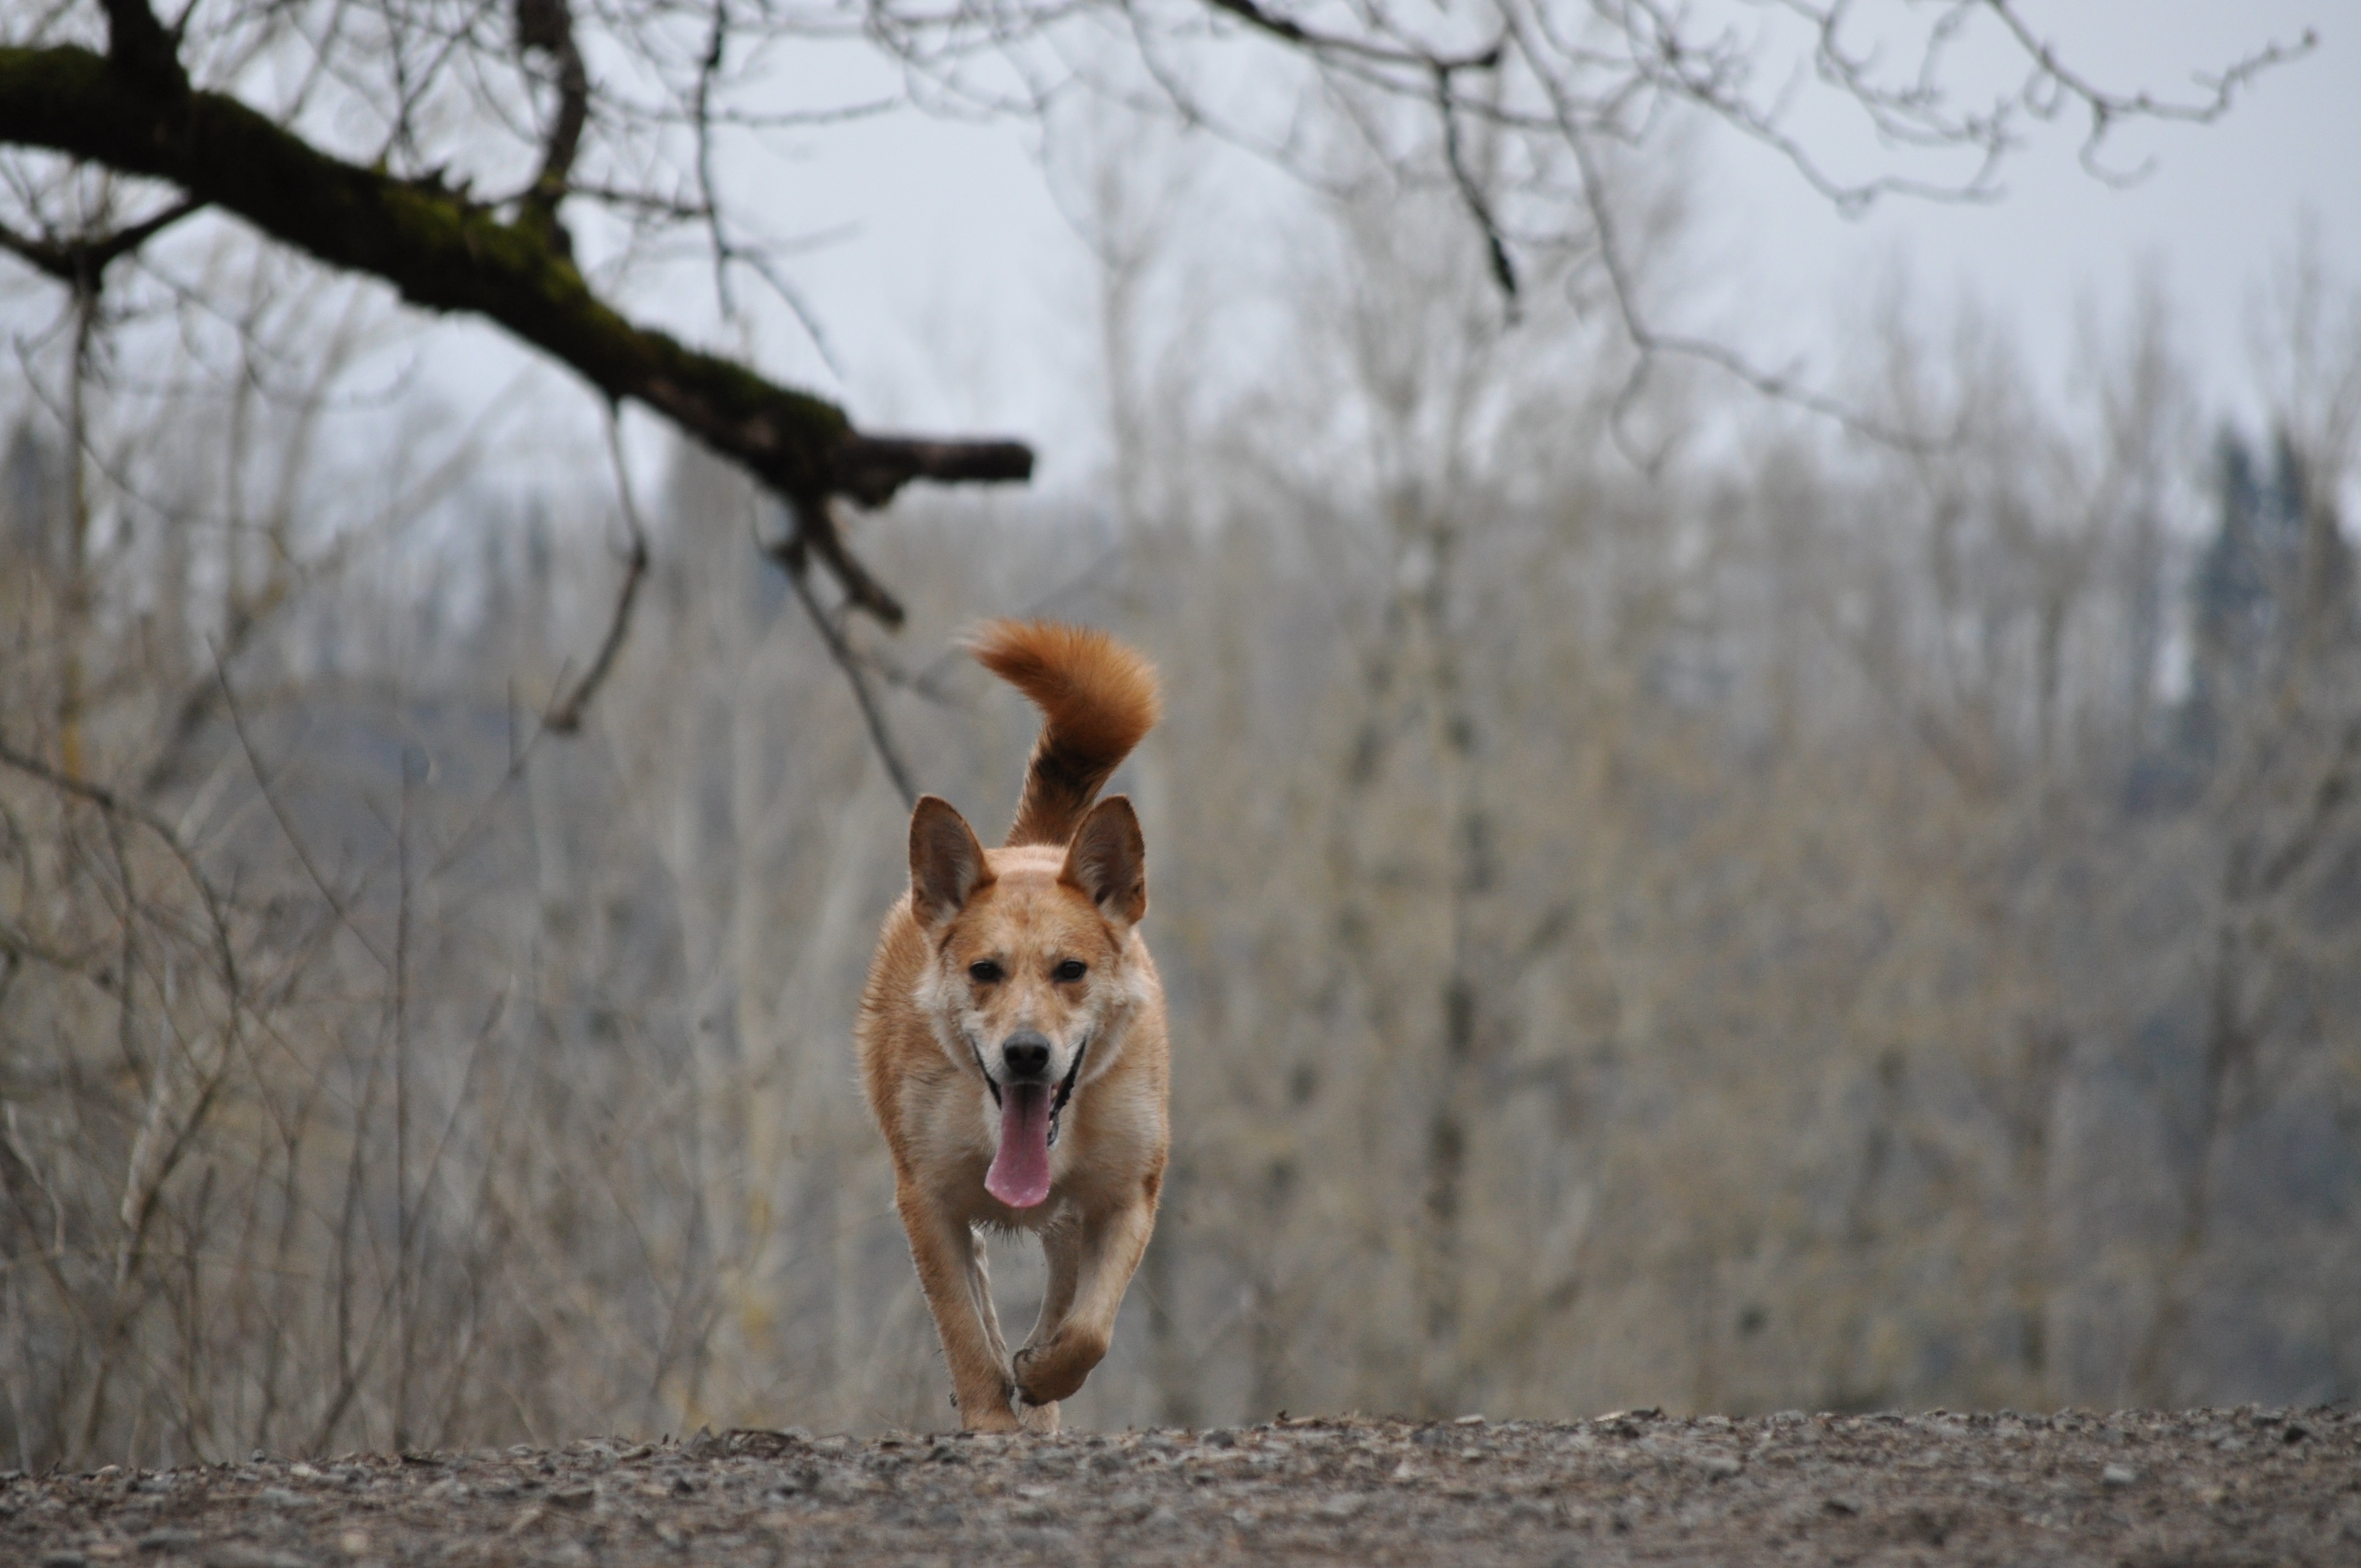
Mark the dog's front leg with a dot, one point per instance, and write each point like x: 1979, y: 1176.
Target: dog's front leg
x: 1061, y: 1249
x: 951, y: 1275
x: 1106, y: 1253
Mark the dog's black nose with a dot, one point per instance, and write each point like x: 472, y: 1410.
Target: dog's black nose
x: 1028, y: 1055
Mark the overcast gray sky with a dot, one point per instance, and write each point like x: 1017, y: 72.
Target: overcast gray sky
x: 2220, y: 206
x: 951, y: 303
x: 957, y: 298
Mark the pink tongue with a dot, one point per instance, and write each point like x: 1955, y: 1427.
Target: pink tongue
x: 1020, y: 1171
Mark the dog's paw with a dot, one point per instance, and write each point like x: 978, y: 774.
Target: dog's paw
x: 1050, y: 1371
x: 1041, y: 1420
x: 1000, y: 1418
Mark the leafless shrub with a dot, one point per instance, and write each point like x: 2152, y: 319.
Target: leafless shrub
x: 1838, y: 925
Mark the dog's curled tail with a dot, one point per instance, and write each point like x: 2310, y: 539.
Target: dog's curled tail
x: 1097, y: 698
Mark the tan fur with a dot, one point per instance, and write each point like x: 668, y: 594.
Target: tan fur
x: 1069, y: 887
x: 1097, y: 699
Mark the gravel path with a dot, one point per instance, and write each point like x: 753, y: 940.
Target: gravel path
x: 2197, y: 1487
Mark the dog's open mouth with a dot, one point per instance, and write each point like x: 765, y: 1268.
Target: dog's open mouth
x: 1030, y: 1113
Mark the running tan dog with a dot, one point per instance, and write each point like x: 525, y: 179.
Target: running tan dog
x: 1011, y: 1035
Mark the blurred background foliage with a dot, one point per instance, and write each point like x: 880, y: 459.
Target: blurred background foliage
x: 1666, y: 900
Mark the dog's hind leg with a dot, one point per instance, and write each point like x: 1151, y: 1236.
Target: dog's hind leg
x: 1107, y: 1249
x: 1039, y: 1419
x: 950, y: 1273
x: 979, y: 1288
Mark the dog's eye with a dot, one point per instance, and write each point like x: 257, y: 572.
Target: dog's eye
x: 1073, y: 969
x: 983, y: 971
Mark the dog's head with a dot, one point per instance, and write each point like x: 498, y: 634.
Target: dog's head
x: 1029, y: 976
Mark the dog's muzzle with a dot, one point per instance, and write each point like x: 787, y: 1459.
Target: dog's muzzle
x: 1065, y: 1085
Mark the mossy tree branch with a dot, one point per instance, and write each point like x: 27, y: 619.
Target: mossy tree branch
x: 446, y: 252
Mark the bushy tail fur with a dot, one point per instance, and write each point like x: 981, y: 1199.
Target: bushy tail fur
x: 1097, y: 698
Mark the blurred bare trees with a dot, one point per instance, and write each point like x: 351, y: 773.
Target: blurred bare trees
x: 1826, y: 922
x: 1799, y: 932
x: 526, y: 165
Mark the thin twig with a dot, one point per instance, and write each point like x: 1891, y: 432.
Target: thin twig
x: 287, y: 828
x: 565, y: 718
x: 794, y: 560
x: 106, y: 800
x: 1472, y: 195
x: 78, y: 262
x: 1651, y: 344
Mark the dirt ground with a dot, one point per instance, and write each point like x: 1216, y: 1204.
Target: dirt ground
x: 2196, y: 1487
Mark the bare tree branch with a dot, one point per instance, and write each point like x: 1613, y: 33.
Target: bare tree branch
x: 114, y: 806
x: 1376, y: 51
x: 137, y: 42
x: 446, y: 252
x: 793, y: 556
x: 2106, y: 110
x: 78, y: 262
x: 1471, y: 193
x: 546, y: 27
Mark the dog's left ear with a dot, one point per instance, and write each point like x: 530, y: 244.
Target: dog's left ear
x: 1108, y: 861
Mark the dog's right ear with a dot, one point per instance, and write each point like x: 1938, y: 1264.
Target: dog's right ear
x: 945, y: 863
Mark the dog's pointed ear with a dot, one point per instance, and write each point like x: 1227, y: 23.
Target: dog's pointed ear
x: 945, y: 863
x: 1108, y: 861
